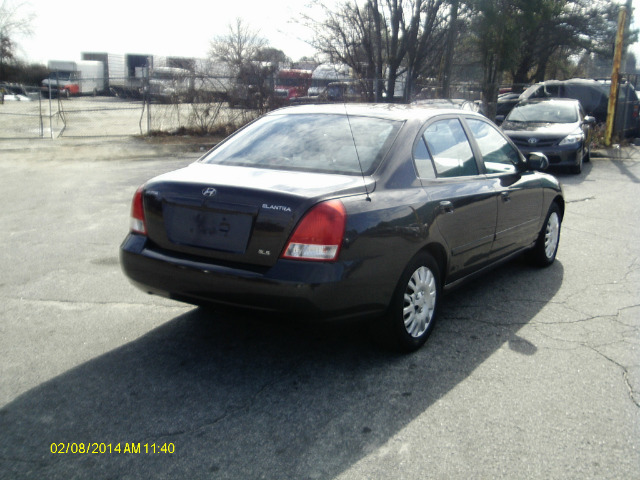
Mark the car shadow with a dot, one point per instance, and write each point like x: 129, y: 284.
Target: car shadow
x: 246, y: 397
x: 566, y: 177
x: 622, y: 165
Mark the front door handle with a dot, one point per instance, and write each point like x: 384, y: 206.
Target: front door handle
x: 446, y: 207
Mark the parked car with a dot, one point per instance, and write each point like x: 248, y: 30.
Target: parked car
x: 506, y: 102
x: 556, y: 127
x: 342, y: 92
x: 14, y: 93
x: 627, y: 119
x: 341, y: 210
x: 461, y: 103
x: 594, y: 97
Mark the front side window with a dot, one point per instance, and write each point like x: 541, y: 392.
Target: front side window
x: 450, y: 149
x: 497, y: 153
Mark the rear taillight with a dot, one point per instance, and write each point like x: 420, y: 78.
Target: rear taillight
x: 319, y: 234
x: 137, y: 223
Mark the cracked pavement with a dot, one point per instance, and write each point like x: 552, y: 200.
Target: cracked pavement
x: 528, y: 374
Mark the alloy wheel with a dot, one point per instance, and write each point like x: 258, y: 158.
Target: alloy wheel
x: 552, y: 235
x: 419, y: 301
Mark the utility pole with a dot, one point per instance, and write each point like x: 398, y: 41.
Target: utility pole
x: 615, y: 77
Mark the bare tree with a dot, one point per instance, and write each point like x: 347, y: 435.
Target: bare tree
x: 15, y: 20
x: 383, y: 39
x: 240, y: 45
x: 242, y: 50
x: 450, y: 48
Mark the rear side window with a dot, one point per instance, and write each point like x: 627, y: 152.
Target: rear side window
x: 450, y: 149
x: 627, y: 93
x: 541, y: 91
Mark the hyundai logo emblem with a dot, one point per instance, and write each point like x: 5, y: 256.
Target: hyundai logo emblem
x: 209, y: 192
x: 533, y: 141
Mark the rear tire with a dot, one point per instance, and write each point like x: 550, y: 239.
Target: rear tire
x: 411, y: 315
x: 544, y: 252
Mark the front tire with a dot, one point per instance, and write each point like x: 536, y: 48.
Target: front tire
x: 587, y: 155
x: 411, y: 315
x: 544, y: 251
x: 577, y: 168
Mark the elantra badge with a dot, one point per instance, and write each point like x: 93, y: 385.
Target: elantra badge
x: 279, y: 208
x: 209, y: 192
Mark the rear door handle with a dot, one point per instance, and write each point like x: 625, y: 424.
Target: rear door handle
x: 505, y: 196
x: 446, y: 207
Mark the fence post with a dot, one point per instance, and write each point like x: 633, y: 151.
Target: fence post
x: 40, y: 112
x: 50, y: 113
x: 147, y: 89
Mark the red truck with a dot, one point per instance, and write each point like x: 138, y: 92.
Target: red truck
x: 292, y: 83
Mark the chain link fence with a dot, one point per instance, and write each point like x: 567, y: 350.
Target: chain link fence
x: 210, y: 105
x: 38, y: 116
x: 82, y: 117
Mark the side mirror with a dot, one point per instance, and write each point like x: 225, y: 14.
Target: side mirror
x: 499, y: 119
x: 589, y: 120
x: 537, y: 161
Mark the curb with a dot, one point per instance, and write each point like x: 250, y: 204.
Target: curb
x: 112, y: 148
x: 631, y: 152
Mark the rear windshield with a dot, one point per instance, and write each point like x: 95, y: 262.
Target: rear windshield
x: 551, y: 112
x: 325, y: 143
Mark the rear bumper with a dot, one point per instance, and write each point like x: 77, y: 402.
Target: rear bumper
x: 315, y: 289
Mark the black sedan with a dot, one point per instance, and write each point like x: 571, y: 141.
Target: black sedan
x: 339, y: 211
x: 556, y: 127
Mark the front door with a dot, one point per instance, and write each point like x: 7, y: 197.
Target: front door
x: 519, y: 196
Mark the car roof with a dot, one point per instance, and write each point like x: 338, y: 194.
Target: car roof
x: 571, y: 81
x: 576, y: 83
x: 550, y: 100
x: 390, y: 111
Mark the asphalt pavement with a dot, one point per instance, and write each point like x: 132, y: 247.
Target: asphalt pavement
x: 529, y: 373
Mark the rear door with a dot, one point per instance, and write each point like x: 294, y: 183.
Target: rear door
x: 465, y: 202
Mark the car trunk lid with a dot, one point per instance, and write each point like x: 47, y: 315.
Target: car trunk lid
x: 236, y: 214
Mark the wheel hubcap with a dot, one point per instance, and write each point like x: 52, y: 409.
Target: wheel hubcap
x: 419, y: 301
x: 552, y: 235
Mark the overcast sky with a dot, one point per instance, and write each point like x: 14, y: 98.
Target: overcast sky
x: 62, y: 30
x: 184, y: 28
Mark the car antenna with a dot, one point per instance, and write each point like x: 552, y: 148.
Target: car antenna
x: 355, y: 146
